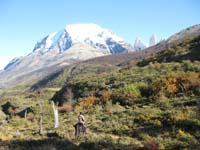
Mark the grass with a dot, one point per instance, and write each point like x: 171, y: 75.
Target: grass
x: 145, y: 126
x: 151, y: 106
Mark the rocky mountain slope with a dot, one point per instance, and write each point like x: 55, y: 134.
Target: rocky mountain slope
x: 66, y: 47
x: 72, y: 44
x: 188, y: 44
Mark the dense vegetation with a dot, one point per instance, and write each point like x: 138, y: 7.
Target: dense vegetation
x: 187, y: 50
x: 152, y: 105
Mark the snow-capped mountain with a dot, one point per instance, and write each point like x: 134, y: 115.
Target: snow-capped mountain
x: 152, y: 40
x: 72, y: 44
x: 139, y: 45
x: 89, y: 34
x: 12, y: 63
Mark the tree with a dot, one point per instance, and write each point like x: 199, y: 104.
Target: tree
x: 55, y: 111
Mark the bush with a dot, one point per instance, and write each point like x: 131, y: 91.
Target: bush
x: 106, y: 96
x: 151, y: 145
x: 108, y: 109
x: 67, y: 107
x: 2, y: 115
x: 127, y: 95
x: 187, y: 65
x: 175, y: 83
x: 146, y: 90
x: 87, y: 102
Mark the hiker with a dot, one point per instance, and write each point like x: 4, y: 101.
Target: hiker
x: 80, y: 126
x: 81, y: 119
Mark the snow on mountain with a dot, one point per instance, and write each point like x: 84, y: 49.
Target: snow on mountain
x: 12, y: 63
x: 139, y: 45
x: 94, y: 33
x: 59, y: 40
x: 152, y: 40
x: 90, y: 34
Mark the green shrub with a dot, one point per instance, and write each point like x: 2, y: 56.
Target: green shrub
x: 127, y: 95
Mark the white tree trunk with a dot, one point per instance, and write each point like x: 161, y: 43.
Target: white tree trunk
x: 55, y: 111
x: 25, y: 115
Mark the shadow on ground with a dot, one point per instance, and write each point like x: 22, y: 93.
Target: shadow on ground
x: 61, y: 144
x: 44, y: 144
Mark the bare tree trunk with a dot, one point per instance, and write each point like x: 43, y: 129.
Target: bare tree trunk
x: 55, y: 111
x: 25, y: 114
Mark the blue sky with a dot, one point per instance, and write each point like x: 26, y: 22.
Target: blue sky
x: 24, y: 22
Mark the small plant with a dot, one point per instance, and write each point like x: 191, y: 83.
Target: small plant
x: 87, y: 102
x: 108, y: 108
x: 31, y: 117
x: 127, y: 95
x: 106, y: 96
x: 151, y: 145
x: 66, y: 107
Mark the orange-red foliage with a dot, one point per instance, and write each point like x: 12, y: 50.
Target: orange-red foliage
x: 87, y: 102
x: 178, y: 82
x: 106, y: 96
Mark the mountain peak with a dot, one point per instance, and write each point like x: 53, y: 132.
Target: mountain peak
x: 90, y: 31
x: 152, y: 40
x: 90, y: 34
x: 139, y: 45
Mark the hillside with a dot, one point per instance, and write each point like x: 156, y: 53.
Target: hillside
x: 186, y: 47
x: 189, y: 49
x: 74, y: 43
x: 142, y: 100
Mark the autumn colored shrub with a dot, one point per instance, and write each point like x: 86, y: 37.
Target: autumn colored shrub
x: 31, y: 117
x: 66, y: 107
x: 155, y: 65
x: 108, y: 108
x: 87, y: 102
x: 174, y: 83
x: 5, y: 137
x: 12, y: 111
x: 106, y: 96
